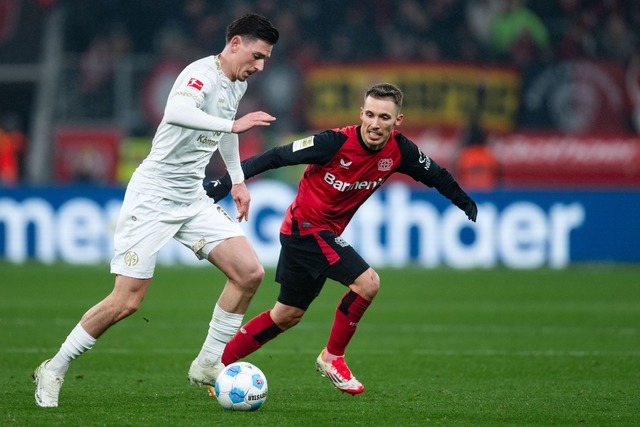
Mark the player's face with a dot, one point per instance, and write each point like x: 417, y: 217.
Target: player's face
x: 379, y: 118
x: 249, y: 57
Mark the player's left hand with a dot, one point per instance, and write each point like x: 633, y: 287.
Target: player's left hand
x: 241, y: 196
x: 470, y: 209
x: 216, y: 190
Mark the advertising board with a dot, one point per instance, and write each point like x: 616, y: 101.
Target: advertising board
x: 398, y: 226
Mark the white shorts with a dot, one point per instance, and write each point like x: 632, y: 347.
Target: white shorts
x: 146, y: 223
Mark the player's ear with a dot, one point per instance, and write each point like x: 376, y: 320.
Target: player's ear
x: 399, y: 119
x: 235, y: 42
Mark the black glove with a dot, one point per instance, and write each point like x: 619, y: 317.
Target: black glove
x: 463, y: 201
x: 469, y: 207
x: 217, y: 189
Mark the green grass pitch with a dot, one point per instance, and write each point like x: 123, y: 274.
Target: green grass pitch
x: 437, y: 347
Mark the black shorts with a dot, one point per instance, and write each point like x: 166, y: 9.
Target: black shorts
x: 306, y: 262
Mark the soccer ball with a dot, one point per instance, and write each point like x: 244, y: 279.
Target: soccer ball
x: 241, y: 386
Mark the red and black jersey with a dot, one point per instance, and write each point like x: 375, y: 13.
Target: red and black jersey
x: 342, y: 173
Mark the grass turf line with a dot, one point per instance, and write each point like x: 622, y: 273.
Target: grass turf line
x: 437, y: 347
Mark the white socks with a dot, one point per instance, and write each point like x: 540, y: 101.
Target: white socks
x: 77, y: 342
x: 222, y: 327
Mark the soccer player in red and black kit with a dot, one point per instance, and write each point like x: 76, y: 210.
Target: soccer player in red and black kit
x: 345, y: 167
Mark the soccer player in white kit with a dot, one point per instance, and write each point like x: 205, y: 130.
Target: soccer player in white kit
x: 165, y: 199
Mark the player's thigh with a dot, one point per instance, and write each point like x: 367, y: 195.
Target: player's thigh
x: 236, y: 258
x: 129, y: 290
x: 207, y: 226
x: 211, y: 234
x: 300, y: 271
x: 347, y: 265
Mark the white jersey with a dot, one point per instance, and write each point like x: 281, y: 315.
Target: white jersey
x: 180, y: 152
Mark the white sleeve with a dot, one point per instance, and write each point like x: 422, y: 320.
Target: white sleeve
x: 182, y: 110
x: 230, y: 152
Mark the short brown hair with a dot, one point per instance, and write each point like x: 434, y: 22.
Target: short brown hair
x: 253, y: 26
x: 385, y: 90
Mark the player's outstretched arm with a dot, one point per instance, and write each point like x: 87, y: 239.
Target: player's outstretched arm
x: 277, y: 157
x: 273, y: 158
x: 446, y: 185
x: 424, y: 169
x: 183, y: 111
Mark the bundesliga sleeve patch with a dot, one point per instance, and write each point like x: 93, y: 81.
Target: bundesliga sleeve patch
x: 195, y: 83
x: 301, y: 144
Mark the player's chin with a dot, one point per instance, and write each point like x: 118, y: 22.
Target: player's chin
x: 244, y: 76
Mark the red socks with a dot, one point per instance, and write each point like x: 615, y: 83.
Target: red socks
x: 261, y: 329
x: 250, y: 338
x: 348, y: 314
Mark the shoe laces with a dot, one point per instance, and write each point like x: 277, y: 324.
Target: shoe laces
x: 342, y: 368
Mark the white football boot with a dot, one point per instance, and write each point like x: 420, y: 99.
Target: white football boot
x: 48, y: 386
x: 204, y: 375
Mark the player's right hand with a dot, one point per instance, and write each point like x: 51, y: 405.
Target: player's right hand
x: 250, y: 120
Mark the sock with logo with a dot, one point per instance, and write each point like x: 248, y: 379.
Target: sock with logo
x: 77, y: 342
x: 257, y: 332
x: 348, y: 314
x: 222, y: 327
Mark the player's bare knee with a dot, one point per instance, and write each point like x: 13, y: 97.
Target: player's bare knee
x: 370, y: 291
x: 367, y: 285
x: 374, y: 286
x: 289, y: 318
x: 254, y: 277
x: 288, y: 323
x: 128, y: 308
x: 249, y: 279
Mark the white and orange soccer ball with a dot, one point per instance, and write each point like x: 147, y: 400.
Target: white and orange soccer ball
x: 241, y: 386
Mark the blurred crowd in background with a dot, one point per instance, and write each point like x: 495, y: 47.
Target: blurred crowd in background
x: 514, y: 32
x: 517, y: 31
x: 100, y: 34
